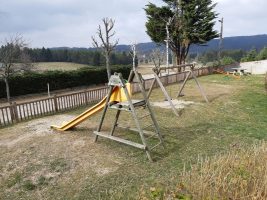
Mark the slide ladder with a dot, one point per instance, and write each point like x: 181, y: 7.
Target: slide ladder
x: 147, y: 137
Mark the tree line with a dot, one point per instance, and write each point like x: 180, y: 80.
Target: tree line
x: 228, y: 56
x: 85, y: 56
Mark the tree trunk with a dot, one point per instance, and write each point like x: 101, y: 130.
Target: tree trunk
x: 108, y: 66
x: 178, y: 60
x: 7, y: 89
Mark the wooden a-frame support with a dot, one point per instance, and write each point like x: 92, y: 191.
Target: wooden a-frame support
x: 157, y: 71
x: 190, y: 72
x: 130, y: 105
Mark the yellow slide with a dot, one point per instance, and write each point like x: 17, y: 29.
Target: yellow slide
x: 117, y: 95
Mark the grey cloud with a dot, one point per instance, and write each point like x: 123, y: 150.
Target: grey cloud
x: 72, y: 22
x: 243, y: 17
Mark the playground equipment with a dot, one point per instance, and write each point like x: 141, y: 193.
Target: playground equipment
x: 190, y: 72
x: 116, y: 95
x: 157, y: 72
x: 131, y: 106
x: 119, y: 98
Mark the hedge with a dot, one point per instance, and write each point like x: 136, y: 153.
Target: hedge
x: 33, y: 82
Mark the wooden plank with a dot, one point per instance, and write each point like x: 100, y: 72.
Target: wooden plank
x: 30, y: 109
x: 134, y: 144
x: 71, y: 101
x: 68, y: 102
x: 9, y: 115
x: 34, y: 110
x: 65, y: 103
x: 48, y: 106
x: 19, y: 109
x: 42, y: 106
x: 79, y: 100
x: 75, y: 100
x: 38, y: 108
x: 175, y: 67
x: 3, y: 116
x: 1, y: 120
x: 148, y: 133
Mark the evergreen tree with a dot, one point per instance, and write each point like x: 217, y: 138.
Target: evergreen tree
x: 262, y: 55
x: 192, y: 23
x: 96, y: 58
x: 251, y: 56
x: 48, y: 55
x: 42, y: 55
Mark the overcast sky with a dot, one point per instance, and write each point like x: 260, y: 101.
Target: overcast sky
x: 53, y: 23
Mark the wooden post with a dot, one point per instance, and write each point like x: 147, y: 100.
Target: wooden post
x: 200, y: 89
x: 55, y: 103
x: 166, y: 94
x: 14, y: 112
x: 167, y: 79
x: 183, y: 84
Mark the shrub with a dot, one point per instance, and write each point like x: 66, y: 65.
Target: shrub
x: 227, y: 60
x: 33, y: 82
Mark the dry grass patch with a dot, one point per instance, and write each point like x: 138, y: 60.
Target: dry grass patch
x: 65, y: 66
x: 239, y: 174
x: 37, y: 163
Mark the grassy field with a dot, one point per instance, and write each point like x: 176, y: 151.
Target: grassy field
x: 65, y: 66
x: 38, y: 163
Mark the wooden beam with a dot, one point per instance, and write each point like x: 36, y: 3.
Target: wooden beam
x: 134, y: 144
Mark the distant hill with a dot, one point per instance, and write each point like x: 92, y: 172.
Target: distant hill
x: 229, y: 43
x: 245, y: 43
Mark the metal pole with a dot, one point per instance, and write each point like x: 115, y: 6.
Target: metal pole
x: 167, y: 42
x: 221, y: 40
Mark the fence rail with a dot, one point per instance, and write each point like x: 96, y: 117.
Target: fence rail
x: 17, y: 112
x: 33, y: 109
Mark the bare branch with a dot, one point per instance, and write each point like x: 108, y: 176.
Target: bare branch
x: 106, y: 45
x: 12, y: 59
x: 95, y: 43
x: 156, y: 57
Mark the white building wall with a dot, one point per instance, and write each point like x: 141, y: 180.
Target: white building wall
x: 255, y: 67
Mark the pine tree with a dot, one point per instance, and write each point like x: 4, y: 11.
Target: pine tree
x: 192, y: 23
x: 262, y: 55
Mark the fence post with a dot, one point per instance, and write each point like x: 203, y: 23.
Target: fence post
x: 13, y: 112
x: 55, y: 103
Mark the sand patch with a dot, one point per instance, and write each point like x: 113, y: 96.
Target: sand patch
x: 25, y: 131
x: 179, y: 104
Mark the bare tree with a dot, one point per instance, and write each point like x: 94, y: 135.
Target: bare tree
x: 13, y: 59
x: 133, y: 53
x: 105, y: 34
x: 157, y: 57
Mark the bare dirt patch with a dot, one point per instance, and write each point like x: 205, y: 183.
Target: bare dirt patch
x: 179, y: 104
x: 42, y: 157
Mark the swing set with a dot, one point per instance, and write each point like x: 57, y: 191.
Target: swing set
x: 189, y: 74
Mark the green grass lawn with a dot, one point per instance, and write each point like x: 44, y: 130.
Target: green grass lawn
x: 235, y: 117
